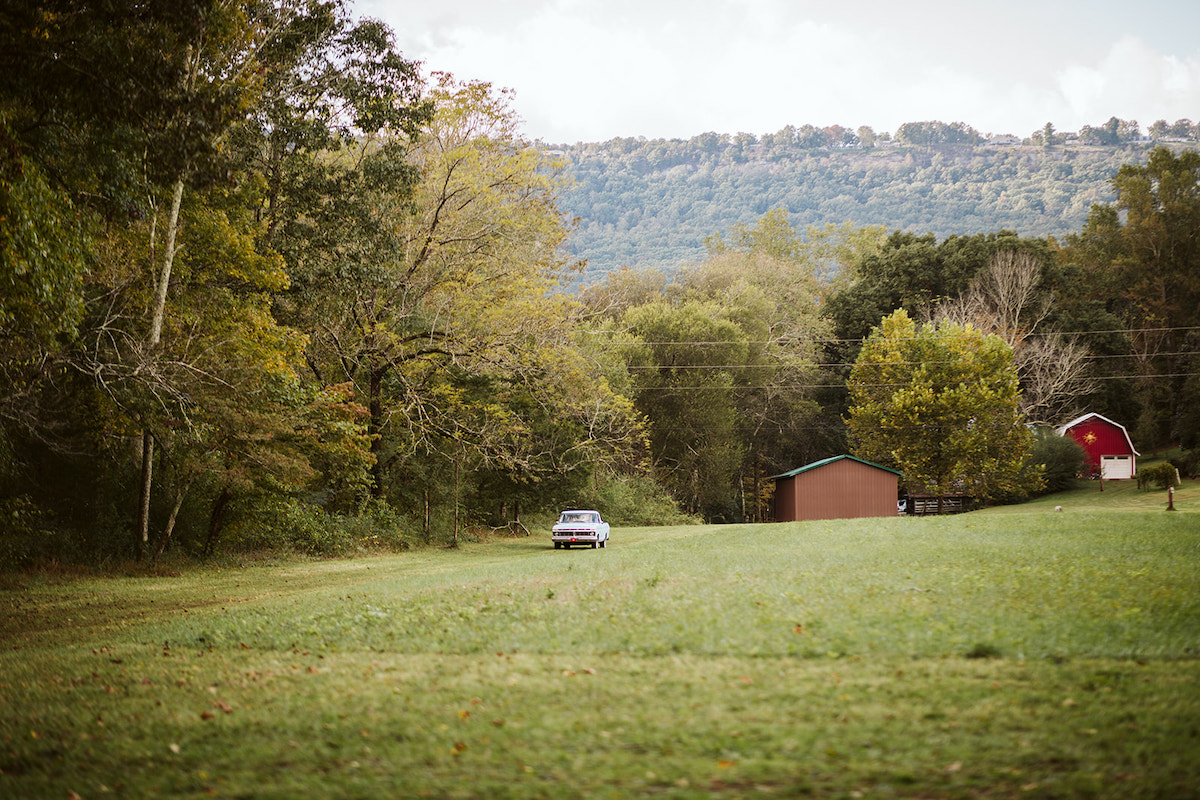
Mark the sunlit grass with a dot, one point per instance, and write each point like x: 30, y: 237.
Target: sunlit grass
x: 1013, y: 652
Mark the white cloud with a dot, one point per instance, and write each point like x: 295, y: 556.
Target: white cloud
x: 1132, y: 81
x: 675, y: 68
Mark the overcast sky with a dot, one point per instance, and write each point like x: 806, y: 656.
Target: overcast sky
x: 591, y: 70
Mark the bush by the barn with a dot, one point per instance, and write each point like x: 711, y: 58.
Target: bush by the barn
x: 1162, y: 475
x: 1061, y: 457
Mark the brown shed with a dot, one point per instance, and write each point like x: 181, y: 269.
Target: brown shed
x: 842, y: 487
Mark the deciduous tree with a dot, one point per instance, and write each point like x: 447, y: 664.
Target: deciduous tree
x: 1009, y: 300
x: 938, y: 402
x: 1140, y: 257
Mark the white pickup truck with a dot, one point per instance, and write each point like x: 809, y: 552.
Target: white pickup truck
x: 579, y: 528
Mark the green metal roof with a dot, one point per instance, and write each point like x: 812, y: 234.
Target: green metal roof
x: 825, y: 461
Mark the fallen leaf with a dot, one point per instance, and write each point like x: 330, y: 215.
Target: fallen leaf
x: 955, y: 767
x: 798, y: 629
x: 458, y: 748
x: 228, y: 709
x: 174, y: 748
x: 725, y: 764
x: 568, y: 673
x: 464, y: 714
x: 206, y: 714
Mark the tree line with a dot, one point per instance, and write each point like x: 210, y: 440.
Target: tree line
x: 643, y: 203
x: 949, y: 359
x: 267, y: 285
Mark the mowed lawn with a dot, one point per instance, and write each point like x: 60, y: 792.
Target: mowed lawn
x: 1015, y: 652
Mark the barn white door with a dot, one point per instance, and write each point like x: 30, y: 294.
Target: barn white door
x: 1116, y: 468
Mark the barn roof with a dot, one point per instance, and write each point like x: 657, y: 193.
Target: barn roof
x: 1062, y: 430
x: 825, y: 461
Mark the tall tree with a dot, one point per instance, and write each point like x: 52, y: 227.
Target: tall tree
x: 686, y: 361
x: 1140, y: 257
x: 220, y: 69
x: 129, y: 109
x: 440, y: 291
x: 939, y: 404
x: 1008, y: 299
x: 915, y: 273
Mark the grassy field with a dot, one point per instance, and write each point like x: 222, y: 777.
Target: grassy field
x: 1015, y: 652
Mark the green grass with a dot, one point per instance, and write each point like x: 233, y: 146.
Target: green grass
x: 1015, y: 652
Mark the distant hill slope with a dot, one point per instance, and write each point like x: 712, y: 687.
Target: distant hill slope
x: 652, y: 202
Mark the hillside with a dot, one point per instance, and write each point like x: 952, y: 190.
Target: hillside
x: 651, y: 203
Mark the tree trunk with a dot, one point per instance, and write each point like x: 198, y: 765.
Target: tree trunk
x: 426, y: 519
x: 142, y: 534
x: 170, y: 527
x: 457, y: 474
x: 375, y: 429
x: 217, y: 520
x: 164, y: 277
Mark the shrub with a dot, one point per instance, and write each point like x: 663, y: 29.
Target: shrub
x: 1061, y: 457
x: 291, y: 525
x: 1188, y: 464
x: 634, y: 500
x: 1162, y: 475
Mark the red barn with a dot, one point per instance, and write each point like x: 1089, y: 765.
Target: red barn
x: 1107, y: 444
x: 842, y: 487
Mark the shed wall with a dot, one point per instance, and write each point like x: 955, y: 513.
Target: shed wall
x: 844, y: 489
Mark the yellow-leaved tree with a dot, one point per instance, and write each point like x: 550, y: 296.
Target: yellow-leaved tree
x: 443, y: 313
x: 938, y: 402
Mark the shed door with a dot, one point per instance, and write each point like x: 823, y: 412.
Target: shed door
x: 1116, y: 468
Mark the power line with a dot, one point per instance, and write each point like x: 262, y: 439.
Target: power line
x: 799, y: 341
x: 835, y: 364
x: 740, y: 387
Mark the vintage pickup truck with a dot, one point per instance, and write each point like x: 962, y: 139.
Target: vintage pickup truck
x: 579, y: 528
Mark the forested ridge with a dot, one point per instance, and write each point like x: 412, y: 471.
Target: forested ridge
x: 642, y: 202
x: 264, y: 284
